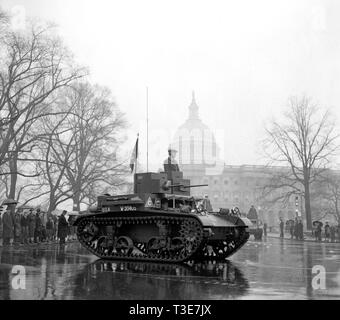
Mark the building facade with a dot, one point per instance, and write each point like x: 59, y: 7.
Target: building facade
x: 228, y: 185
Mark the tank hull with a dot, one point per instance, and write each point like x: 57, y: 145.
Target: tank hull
x: 161, y: 236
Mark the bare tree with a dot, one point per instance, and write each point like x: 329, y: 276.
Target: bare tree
x: 3, y: 185
x: 326, y: 195
x: 304, y: 141
x: 3, y: 21
x: 57, y: 149
x: 95, y: 126
x: 35, y: 67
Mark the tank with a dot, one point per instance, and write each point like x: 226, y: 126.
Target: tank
x: 161, y: 222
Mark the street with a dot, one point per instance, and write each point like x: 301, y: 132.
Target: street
x: 268, y: 269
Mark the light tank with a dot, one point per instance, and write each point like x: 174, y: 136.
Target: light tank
x: 161, y: 222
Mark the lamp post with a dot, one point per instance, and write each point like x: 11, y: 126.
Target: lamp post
x: 297, y: 212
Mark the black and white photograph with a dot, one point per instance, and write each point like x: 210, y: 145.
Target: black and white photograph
x: 159, y: 151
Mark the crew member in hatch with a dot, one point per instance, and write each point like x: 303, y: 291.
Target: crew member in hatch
x: 170, y: 163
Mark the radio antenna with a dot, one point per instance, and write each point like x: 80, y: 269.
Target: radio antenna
x: 147, y: 129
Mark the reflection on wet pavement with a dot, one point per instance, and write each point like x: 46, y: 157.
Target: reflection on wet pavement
x: 136, y: 280
x: 272, y: 269
x: 283, y: 269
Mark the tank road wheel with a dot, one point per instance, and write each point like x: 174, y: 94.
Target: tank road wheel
x: 191, y: 234
x: 155, y: 245
x: 157, y: 248
x: 152, y: 245
x: 88, y: 232
x: 124, y: 246
x: 177, y: 245
x: 142, y: 247
x: 105, y: 245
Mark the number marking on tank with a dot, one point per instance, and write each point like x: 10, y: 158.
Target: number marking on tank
x: 128, y: 208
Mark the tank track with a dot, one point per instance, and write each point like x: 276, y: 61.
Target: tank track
x: 221, y: 249
x: 188, y: 243
x: 97, y: 234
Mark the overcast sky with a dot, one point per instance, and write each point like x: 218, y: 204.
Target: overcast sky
x: 242, y: 58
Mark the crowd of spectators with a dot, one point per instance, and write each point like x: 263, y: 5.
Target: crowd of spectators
x: 330, y: 233
x: 326, y: 233
x: 28, y: 225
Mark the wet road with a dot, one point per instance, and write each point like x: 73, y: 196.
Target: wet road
x: 271, y: 269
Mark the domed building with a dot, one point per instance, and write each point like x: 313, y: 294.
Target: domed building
x: 195, y: 143
x: 228, y: 185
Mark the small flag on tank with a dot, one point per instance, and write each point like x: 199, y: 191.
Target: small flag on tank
x: 134, y: 156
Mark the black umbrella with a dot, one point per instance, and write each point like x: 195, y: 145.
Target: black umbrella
x: 317, y: 222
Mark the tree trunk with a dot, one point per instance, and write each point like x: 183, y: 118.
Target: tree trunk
x: 308, y: 210
x: 76, y: 200
x: 13, y: 166
x: 52, y: 205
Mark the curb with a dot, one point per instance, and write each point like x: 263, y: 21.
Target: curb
x: 305, y: 240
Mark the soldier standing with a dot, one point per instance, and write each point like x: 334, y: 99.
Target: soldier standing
x: 300, y: 230
x: 31, y: 226
x: 8, y: 221
x: 281, y: 228
x: 265, y: 229
x: 24, y: 221
x: 38, y: 227
x: 62, y: 228
x: 327, y: 231
x: 49, y: 228
x: 2, y: 211
x: 17, y: 227
x: 332, y: 232
x: 291, y: 229
x: 296, y: 229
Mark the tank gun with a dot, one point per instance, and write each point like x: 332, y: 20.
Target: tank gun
x: 190, y: 186
x: 167, y: 186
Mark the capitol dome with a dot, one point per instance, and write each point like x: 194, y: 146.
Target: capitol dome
x: 194, y: 141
